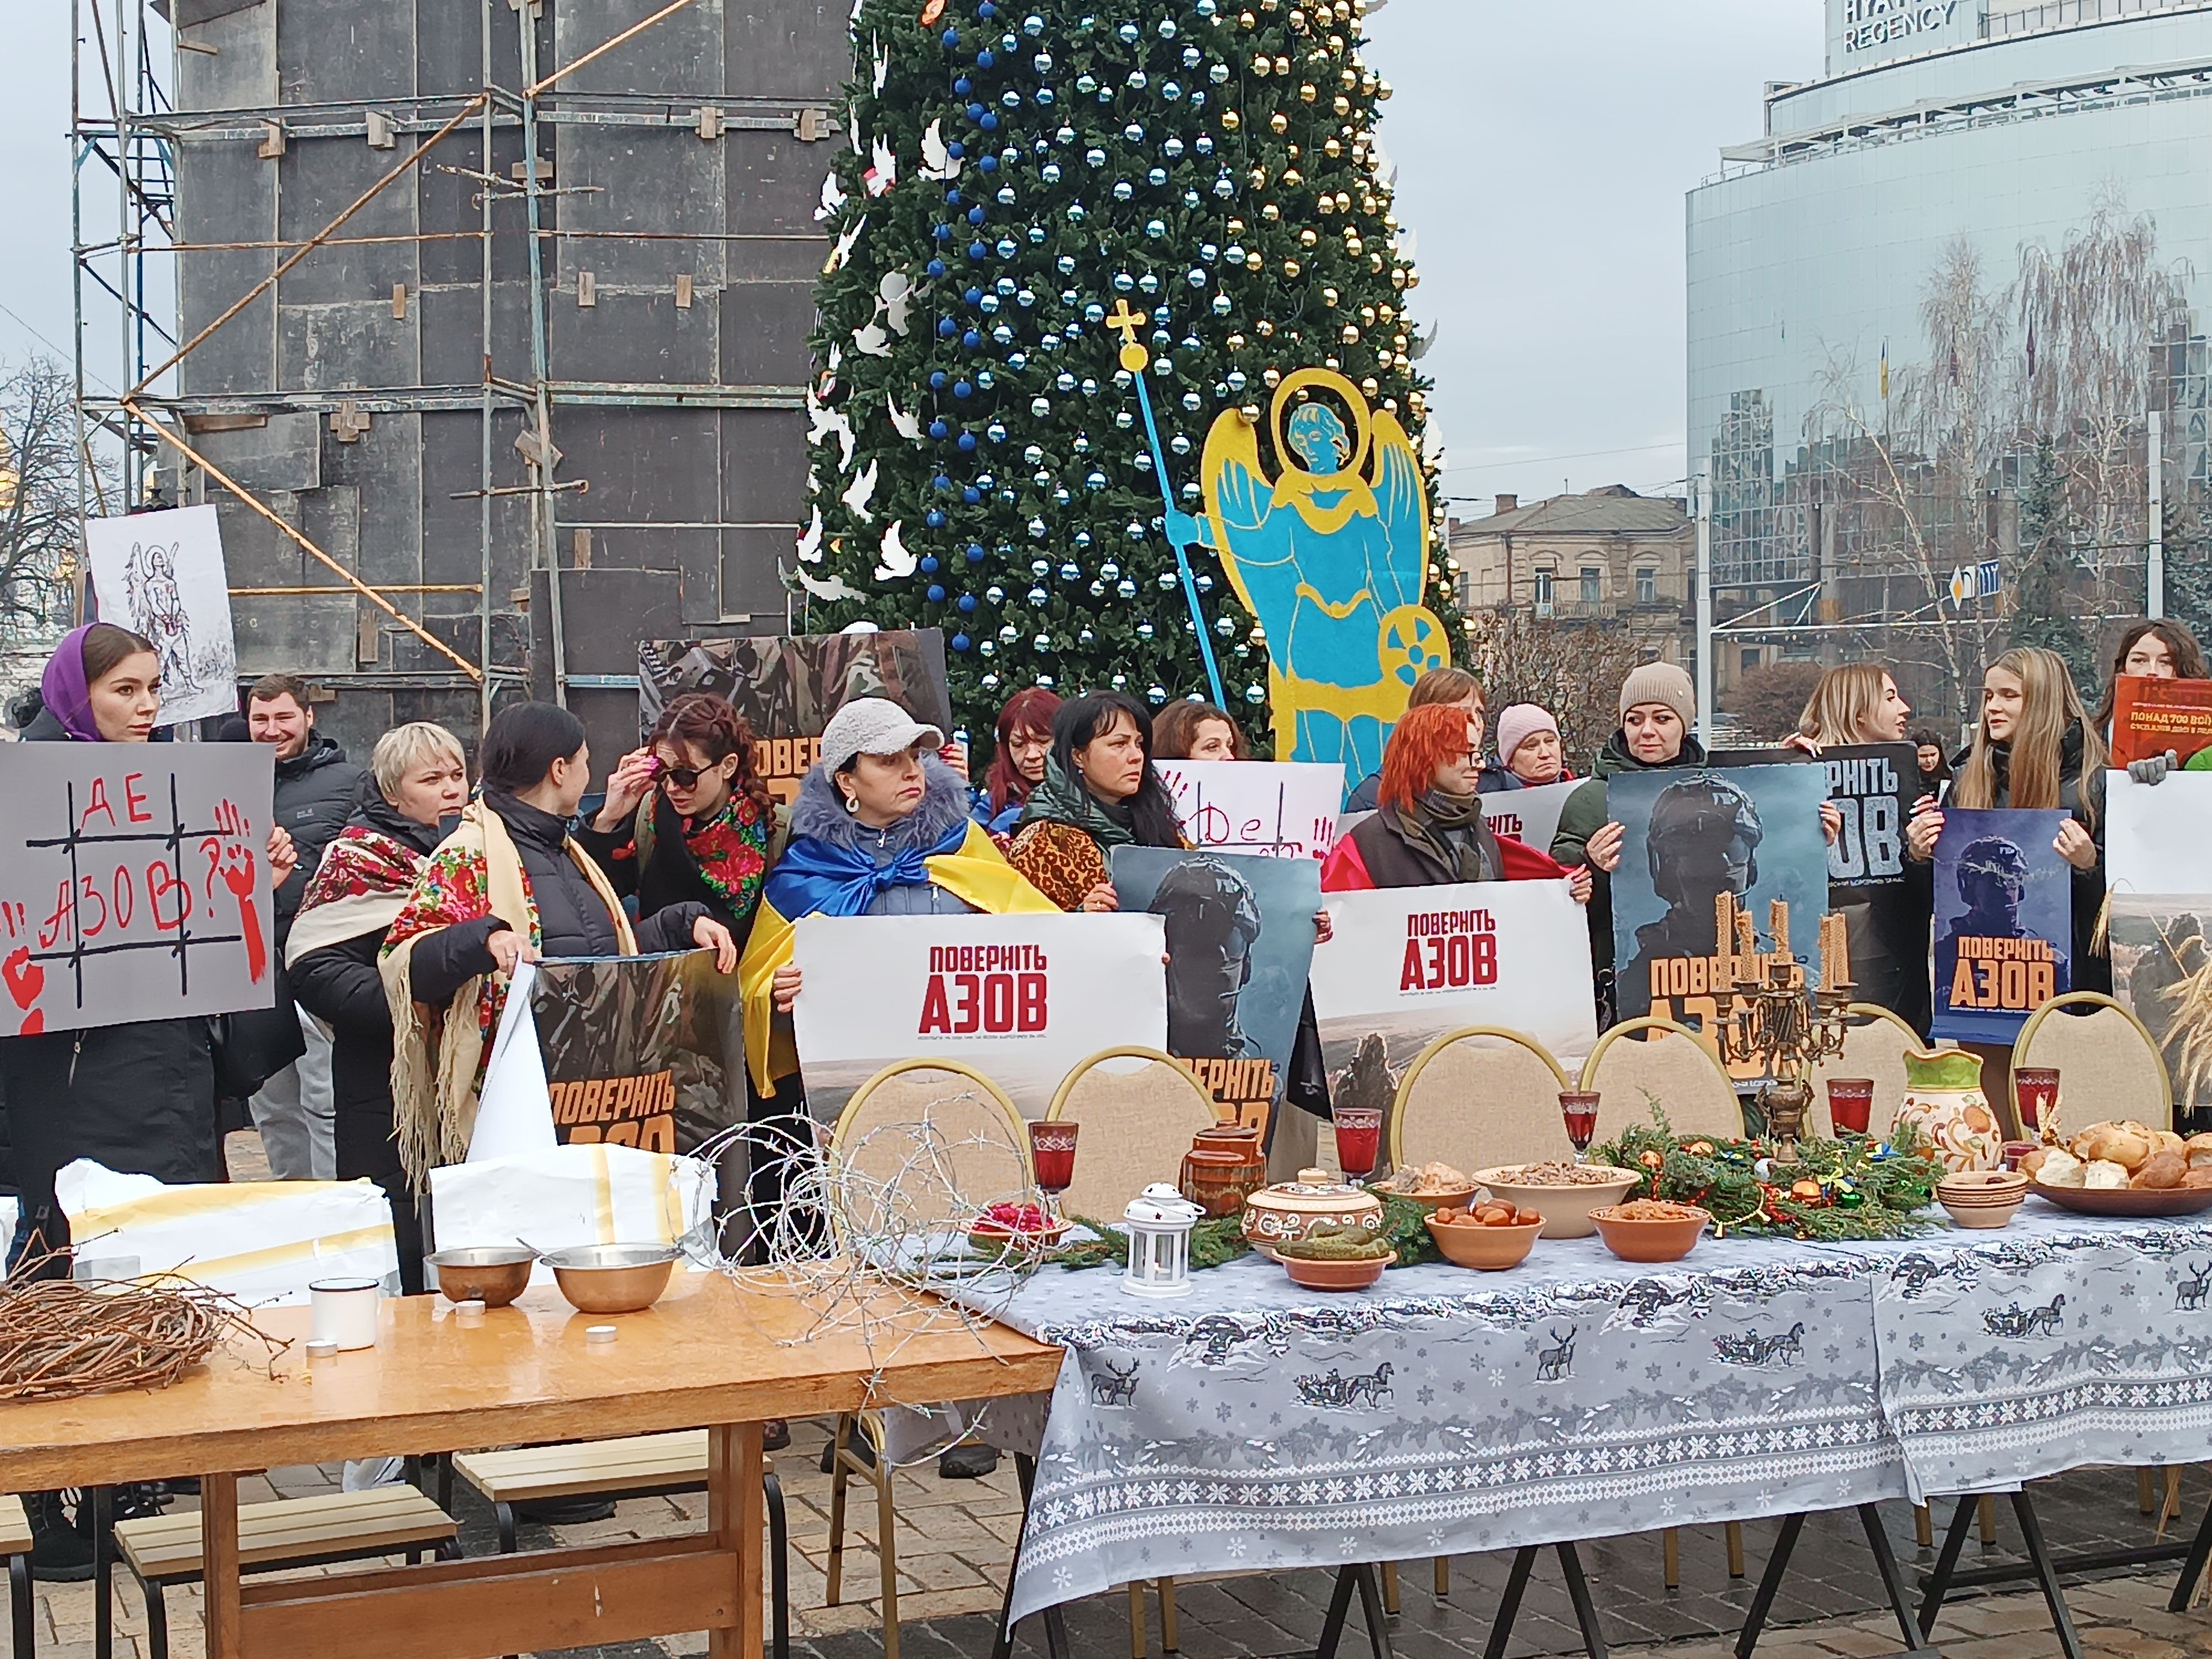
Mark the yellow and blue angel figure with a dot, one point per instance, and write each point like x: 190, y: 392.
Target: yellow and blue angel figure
x: 1329, y: 557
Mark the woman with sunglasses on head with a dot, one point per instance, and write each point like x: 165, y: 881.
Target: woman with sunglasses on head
x: 687, y: 818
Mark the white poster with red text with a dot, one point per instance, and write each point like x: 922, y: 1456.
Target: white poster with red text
x: 1284, y: 809
x: 1407, y: 964
x: 1020, y: 998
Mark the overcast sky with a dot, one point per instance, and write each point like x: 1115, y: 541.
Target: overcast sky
x: 1543, y: 149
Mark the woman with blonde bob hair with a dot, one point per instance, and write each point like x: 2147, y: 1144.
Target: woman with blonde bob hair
x: 2035, y: 747
x: 1858, y: 703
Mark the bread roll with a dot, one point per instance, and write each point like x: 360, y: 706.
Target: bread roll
x: 2031, y: 1163
x: 2198, y: 1149
x: 2059, y: 1168
x: 2161, y: 1169
x: 2113, y: 1143
x: 2165, y: 1140
x: 2104, y: 1172
x: 2197, y: 1178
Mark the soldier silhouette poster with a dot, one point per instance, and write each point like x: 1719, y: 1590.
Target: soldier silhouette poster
x: 1751, y: 831
x: 1240, y: 936
x: 2004, y: 921
x: 161, y: 574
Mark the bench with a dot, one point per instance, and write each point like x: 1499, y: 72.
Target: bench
x: 162, y: 1549
x: 16, y: 1545
x: 635, y: 1466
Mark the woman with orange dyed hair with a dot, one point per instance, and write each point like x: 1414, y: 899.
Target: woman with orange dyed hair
x: 1427, y: 829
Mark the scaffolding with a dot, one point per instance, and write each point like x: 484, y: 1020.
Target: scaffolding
x: 273, y: 208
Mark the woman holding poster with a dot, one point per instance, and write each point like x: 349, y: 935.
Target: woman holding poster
x: 1099, y: 792
x: 1427, y: 829
x: 508, y: 885
x: 880, y: 829
x: 2151, y: 649
x: 2035, y: 747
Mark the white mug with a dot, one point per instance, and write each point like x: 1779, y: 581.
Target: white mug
x: 344, y: 1310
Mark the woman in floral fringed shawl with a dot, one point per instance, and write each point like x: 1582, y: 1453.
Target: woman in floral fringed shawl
x: 508, y: 885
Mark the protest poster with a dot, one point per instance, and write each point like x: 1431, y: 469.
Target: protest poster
x: 1691, y: 835
x: 133, y: 882
x: 161, y: 574
x: 2162, y: 973
x: 2157, y: 717
x: 640, y: 1051
x: 1530, y: 816
x: 787, y: 688
x: 2155, y: 833
x: 1880, y: 897
x: 1407, y: 964
x: 2004, y: 921
x: 1240, y: 940
x: 1020, y: 998
x: 1286, y: 809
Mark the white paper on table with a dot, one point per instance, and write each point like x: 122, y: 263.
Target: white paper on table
x: 514, y: 1112
x: 2154, y: 838
x: 593, y: 1193
x: 263, y: 1241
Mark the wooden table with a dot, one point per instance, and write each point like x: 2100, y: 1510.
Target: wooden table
x: 707, y: 1354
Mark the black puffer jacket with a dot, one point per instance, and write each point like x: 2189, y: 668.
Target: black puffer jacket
x: 138, y: 1097
x: 572, y: 921
x: 317, y: 792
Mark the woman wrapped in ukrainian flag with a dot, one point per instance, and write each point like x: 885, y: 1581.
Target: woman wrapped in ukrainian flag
x: 880, y: 829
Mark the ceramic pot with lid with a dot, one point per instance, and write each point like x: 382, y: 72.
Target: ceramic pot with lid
x: 1289, y: 1210
x: 1218, y: 1181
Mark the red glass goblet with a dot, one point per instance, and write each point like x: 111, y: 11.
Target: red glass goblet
x: 1052, y: 1156
x: 1579, y: 1107
x: 1358, y: 1140
x: 1850, y: 1104
x: 2035, y: 1090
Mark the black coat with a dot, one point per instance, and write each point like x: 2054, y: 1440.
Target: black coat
x: 572, y: 918
x: 138, y: 1097
x: 317, y: 793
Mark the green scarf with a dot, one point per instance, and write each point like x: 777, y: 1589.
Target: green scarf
x: 1451, y: 830
x: 1062, y: 799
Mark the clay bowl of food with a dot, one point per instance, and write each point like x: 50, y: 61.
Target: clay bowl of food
x: 1982, y: 1198
x: 1333, y: 1257
x: 612, y: 1278
x: 1650, y: 1229
x: 1491, y: 1236
x: 1432, y: 1185
x: 1562, y: 1194
x: 494, y: 1274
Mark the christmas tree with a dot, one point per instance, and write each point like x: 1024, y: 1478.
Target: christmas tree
x: 1023, y: 182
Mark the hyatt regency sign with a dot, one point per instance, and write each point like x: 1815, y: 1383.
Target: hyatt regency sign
x: 1862, y: 32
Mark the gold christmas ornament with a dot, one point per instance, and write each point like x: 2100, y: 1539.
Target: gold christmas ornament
x: 1250, y: 414
x: 1328, y: 296
x: 1390, y: 404
x: 1309, y: 237
x: 1350, y: 78
x: 1270, y: 5
x: 1353, y: 245
x: 1397, y: 276
x: 1293, y: 152
x: 1236, y: 227
x: 1237, y: 342
x: 1292, y: 177
x: 1298, y: 21
x: 1271, y: 377
x: 1371, y: 385
x: 1259, y: 177
x: 1389, y: 222
x: 1325, y: 205
x: 1264, y: 330
x: 1349, y: 334
x: 1367, y: 313
x: 1308, y: 92
x: 1254, y: 262
x: 1336, y: 43
x: 1278, y: 123
x: 1343, y: 105
x: 1384, y: 312
x: 1282, y: 65
x: 1245, y: 20
x: 1382, y: 89
x: 1331, y: 148
x: 1374, y: 262
x: 1270, y: 212
x: 1262, y: 65
x: 1412, y: 279
x: 1291, y: 267
x: 1332, y: 364
x: 1230, y: 120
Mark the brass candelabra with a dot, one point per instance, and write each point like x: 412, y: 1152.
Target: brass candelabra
x: 1771, y: 1019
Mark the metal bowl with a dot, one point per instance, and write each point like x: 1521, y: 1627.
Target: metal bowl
x: 494, y: 1274
x: 608, y: 1279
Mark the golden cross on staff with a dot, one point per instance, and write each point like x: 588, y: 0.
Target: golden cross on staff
x: 1126, y: 322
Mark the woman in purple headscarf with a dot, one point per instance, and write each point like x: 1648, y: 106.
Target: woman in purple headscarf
x: 139, y: 1096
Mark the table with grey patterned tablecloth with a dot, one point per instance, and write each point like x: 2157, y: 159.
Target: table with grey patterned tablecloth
x: 1253, y: 1424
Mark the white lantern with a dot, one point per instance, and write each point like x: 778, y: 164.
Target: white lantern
x: 1159, y: 1220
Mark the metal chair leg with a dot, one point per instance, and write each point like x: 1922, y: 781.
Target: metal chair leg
x: 2192, y: 1565
x: 1937, y: 1584
x: 505, y: 1514
x: 1370, y: 1604
x: 1571, y: 1564
x: 1171, y: 1628
x: 1670, y: 1556
x: 20, y: 1610
x: 1391, y: 1588
x: 157, y: 1622
x: 1770, y: 1583
x: 779, y: 1568
x: 103, y: 1572
x: 1734, y: 1532
x: 1509, y: 1605
x: 839, y: 1476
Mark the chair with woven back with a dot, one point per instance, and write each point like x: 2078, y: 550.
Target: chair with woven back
x: 1477, y: 1097
x: 2091, y: 1039
x: 1650, y: 1060
x: 921, y: 1147
x: 1875, y: 1042
x: 1138, y: 1111
x: 1671, y: 1064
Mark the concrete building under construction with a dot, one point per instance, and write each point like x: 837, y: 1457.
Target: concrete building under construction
x: 489, y: 327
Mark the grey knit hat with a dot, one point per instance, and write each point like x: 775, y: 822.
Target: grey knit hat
x: 873, y: 726
x: 1660, y: 682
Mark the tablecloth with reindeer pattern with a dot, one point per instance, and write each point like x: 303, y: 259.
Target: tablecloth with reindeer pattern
x: 1253, y: 1424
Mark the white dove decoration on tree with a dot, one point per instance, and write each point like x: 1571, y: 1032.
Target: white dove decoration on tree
x: 895, y: 560
x: 809, y: 539
x: 861, y: 492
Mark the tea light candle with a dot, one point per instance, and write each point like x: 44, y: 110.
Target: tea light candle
x: 321, y: 1347
x: 600, y: 1332
x: 470, y: 1311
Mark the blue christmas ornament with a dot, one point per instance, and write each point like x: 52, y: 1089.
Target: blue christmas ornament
x: 970, y: 340
x: 1007, y: 248
x: 984, y: 59
x: 962, y: 86
x: 975, y: 552
x: 943, y: 233
x: 969, y: 494
x: 951, y: 37
x: 934, y: 268
x: 1157, y: 177
x: 1070, y: 571
x: 960, y: 642
x: 1172, y: 90
x: 1049, y: 173
x: 940, y: 482
x: 990, y: 121
x: 929, y: 565
x: 988, y: 163
x: 937, y: 593
x: 939, y: 431
x: 1123, y: 190
x: 986, y: 10
x: 935, y: 518
x: 976, y: 215
x: 1075, y: 213
x: 1033, y: 26
x: 968, y: 442
x: 967, y: 604
x: 946, y: 328
x: 1094, y: 157
x: 975, y: 112
x: 956, y: 149
x: 1167, y: 28
x: 977, y: 251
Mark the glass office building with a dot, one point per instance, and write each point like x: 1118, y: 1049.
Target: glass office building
x: 1930, y: 309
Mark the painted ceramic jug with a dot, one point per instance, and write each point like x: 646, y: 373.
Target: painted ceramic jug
x: 1944, y: 1100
